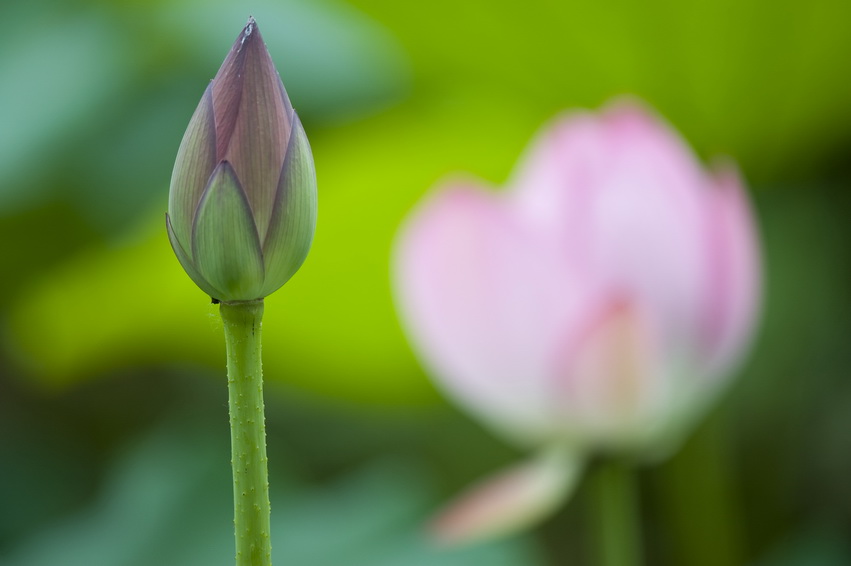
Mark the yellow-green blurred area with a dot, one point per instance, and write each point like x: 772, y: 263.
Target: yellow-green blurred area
x: 113, y: 424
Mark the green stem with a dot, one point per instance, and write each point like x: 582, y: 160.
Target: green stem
x: 248, y: 433
x: 616, y: 515
x: 700, y: 476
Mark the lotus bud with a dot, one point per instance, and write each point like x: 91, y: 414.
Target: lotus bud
x: 242, y: 203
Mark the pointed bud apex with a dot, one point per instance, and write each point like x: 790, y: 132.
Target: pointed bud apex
x: 242, y: 204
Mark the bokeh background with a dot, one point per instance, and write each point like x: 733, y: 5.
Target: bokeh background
x: 113, y: 423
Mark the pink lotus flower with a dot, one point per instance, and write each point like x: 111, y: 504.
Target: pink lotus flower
x: 600, y: 303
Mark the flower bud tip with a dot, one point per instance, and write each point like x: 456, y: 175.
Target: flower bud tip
x: 249, y: 28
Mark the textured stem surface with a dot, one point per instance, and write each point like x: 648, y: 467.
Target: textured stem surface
x: 617, y: 518
x: 248, y: 433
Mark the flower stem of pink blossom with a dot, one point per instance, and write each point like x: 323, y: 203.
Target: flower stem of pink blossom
x: 700, y: 476
x: 617, y: 522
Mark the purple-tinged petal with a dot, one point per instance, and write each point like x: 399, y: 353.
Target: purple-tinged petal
x: 225, y: 247
x: 293, y: 218
x: 196, y: 160
x: 227, y: 91
x: 253, y: 124
x: 510, y: 500
x: 733, y: 295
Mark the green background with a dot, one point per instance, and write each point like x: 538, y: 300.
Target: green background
x: 113, y: 430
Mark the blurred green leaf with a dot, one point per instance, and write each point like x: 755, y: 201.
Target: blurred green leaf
x: 820, y: 544
x: 168, y: 502
x: 58, y: 73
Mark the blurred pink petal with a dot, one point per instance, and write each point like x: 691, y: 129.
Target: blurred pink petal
x: 510, y: 500
x: 732, y: 303
x: 468, y: 272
